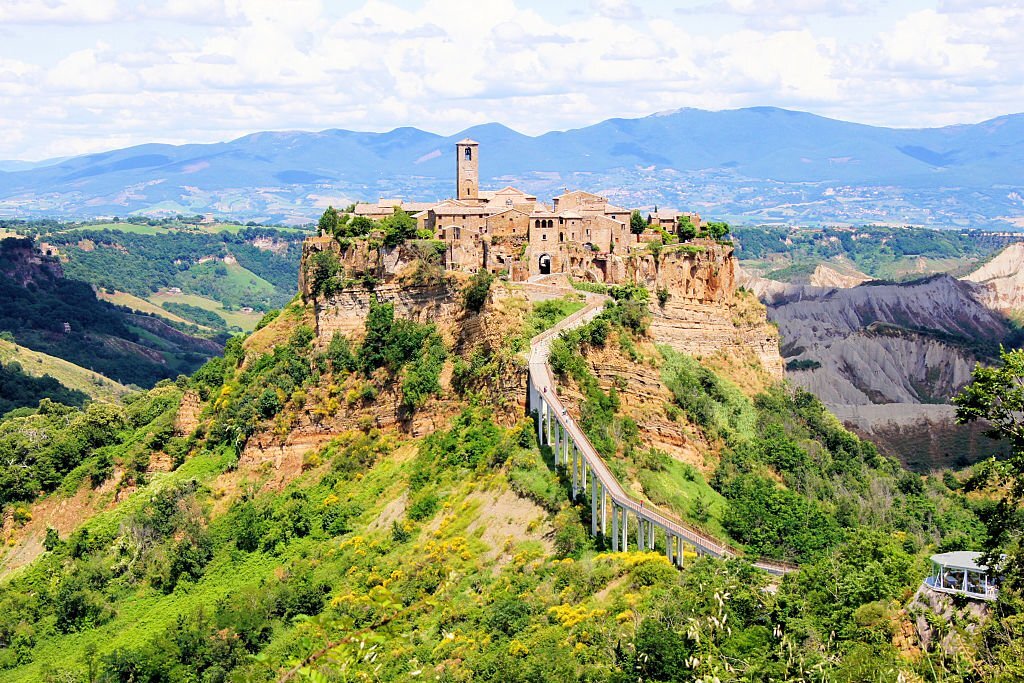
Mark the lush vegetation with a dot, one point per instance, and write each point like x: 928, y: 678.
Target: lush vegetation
x: 98, y: 336
x: 831, y: 481
x: 142, y: 264
x: 268, y: 391
x: 198, y: 315
x: 459, y: 556
x: 39, y: 450
x: 881, y: 252
x: 388, y: 232
x: 21, y: 390
x: 307, y: 583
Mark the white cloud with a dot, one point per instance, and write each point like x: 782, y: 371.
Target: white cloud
x: 58, y: 11
x: 202, y: 70
x: 622, y: 10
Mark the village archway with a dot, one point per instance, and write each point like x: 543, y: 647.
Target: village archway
x: 544, y: 264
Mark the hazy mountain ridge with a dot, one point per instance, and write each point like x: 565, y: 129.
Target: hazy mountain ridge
x: 759, y: 163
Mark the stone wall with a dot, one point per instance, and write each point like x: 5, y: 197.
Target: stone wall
x: 346, y: 311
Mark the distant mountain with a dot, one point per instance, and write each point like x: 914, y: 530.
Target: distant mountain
x: 757, y: 164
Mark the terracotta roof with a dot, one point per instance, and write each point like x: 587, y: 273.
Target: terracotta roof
x: 611, y: 208
x: 367, y: 209
x: 462, y: 211
x: 508, y: 209
x: 568, y: 194
x: 467, y: 141
x: 570, y: 214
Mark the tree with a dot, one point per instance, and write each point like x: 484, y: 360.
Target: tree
x: 398, y: 227
x: 718, y: 229
x: 328, y: 224
x: 685, y: 228
x: 996, y: 395
x: 359, y: 226
x: 52, y: 540
x: 322, y: 266
x: 474, y: 295
x: 637, y: 224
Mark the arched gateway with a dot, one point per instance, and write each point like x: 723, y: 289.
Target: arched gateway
x: 544, y: 264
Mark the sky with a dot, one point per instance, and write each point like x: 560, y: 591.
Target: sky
x: 80, y: 76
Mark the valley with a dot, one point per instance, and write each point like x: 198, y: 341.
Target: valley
x: 356, y: 486
x: 886, y: 356
x: 752, y: 165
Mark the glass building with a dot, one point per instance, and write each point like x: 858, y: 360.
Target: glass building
x: 960, y: 573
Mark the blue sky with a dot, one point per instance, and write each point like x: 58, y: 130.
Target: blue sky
x: 81, y: 76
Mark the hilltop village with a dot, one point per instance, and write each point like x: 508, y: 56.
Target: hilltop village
x: 510, y: 232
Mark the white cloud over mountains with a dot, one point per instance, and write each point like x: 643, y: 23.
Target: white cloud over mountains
x: 79, y: 76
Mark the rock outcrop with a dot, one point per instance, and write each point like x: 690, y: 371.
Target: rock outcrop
x: 1002, y: 280
x: 904, y: 347
x: 704, y: 313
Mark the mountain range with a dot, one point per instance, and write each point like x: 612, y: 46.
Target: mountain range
x: 751, y: 165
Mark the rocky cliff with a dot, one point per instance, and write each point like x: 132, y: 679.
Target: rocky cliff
x: 704, y: 314
x: 1002, y: 280
x: 906, y: 346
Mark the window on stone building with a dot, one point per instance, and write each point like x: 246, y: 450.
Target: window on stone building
x: 469, y: 154
x: 544, y: 236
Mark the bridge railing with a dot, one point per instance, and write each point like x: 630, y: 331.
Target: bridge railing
x: 541, y: 369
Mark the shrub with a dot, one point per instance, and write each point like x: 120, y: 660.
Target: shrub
x: 423, y: 507
x: 321, y: 268
x: 571, y: 539
x: 474, y: 296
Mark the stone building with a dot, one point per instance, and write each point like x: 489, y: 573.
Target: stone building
x: 509, y: 231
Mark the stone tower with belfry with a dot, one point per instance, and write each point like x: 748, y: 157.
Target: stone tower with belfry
x: 467, y: 175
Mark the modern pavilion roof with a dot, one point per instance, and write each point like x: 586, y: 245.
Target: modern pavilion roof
x: 960, y: 559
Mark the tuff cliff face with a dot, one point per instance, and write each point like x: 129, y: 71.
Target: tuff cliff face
x: 704, y: 313
x: 23, y: 263
x: 1002, y: 280
x: 886, y: 358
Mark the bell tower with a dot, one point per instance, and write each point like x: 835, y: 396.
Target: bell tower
x: 467, y: 165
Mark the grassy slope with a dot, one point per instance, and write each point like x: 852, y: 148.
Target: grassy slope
x: 139, y: 304
x: 70, y: 375
x: 238, y: 281
x: 133, y: 228
x: 246, y: 321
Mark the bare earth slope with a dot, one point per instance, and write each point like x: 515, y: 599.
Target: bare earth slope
x: 904, y: 348
x: 1003, y: 280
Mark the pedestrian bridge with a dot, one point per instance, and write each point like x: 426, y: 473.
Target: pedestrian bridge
x: 591, y: 476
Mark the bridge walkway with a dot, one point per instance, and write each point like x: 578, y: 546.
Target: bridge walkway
x: 590, y: 473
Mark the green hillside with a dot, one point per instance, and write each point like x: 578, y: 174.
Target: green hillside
x: 235, y: 266
x: 459, y: 555
x: 790, y: 253
x: 62, y: 317
x: 71, y: 376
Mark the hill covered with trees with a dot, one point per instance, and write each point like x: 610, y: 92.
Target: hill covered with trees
x: 45, y: 311
x: 457, y: 553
